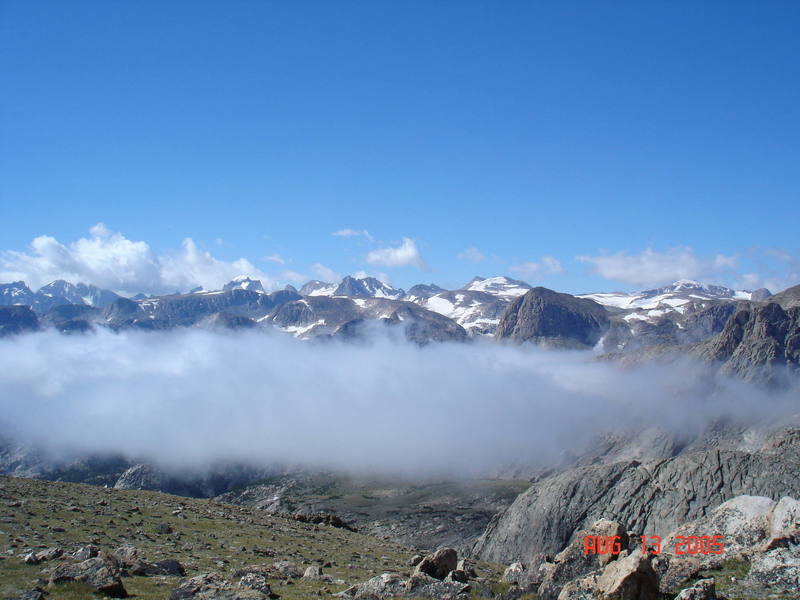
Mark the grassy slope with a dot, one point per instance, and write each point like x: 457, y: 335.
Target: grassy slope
x: 205, y: 532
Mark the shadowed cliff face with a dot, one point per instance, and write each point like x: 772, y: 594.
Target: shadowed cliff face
x: 760, y: 343
x: 650, y: 498
x: 561, y: 320
x: 17, y: 319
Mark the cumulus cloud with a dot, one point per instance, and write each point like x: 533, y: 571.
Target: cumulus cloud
x: 776, y: 269
x: 406, y: 254
x: 110, y: 260
x: 194, y: 396
x: 472, y: 254
x: 657, y: 268
x: 379, y: 275
x: 547, y: 264
x: 293, y: 277
x: 353, y: 233
x: 325, y: 273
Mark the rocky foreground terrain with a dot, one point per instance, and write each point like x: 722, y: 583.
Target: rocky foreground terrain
x: 73, y: 541
x: 146, y: 544
x: 422, y: 514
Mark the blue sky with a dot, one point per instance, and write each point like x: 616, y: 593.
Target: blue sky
x: 579, y: 145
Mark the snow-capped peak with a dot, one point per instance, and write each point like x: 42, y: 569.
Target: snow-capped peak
x: 682, y: 284
x: 243, y: 282
x: 497, y: 286
x: 318, y: 288
x: 16, y: 292
x: 672, y: 297
x: 367, y: 286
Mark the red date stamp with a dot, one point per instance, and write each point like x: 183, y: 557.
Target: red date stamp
x: 683, y: 545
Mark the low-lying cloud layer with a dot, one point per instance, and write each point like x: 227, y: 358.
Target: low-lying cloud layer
x: 194, y: 396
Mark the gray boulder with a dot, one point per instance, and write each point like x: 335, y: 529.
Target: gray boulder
x: 438, y: 564
x: 752, y: 529
x: 86, y: 552
x: 313, y: 572
x: 777, y: 569
x: 630, y: 577
x: 212, y: 586
x: 514, y: 573
x: 101, y: 573
x: 573, y: 562
x: 705, y: 589
x: 382, y: 586
x: 424, y: 586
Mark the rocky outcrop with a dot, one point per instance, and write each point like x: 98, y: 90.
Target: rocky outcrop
x: 653, y: 497
x: 439, y: 564
x: 423, y: 291
x: 631, y: 577
x: 423, y: 326
x: 751, y: 529
x: 705, y: 589
x: 101, y: 573
x: 547, y: 317
x: 71, y: 318
x: 320, y: 518
x: 385, y: 585
x: 788, y: 298
x: 436, y: 576
x: 423, y: 586
x: 759, y: 343
x: 419, y: 585
x: 131, y: 562
x: 212, y: 586
x: 208, y: 483
x: 573, y: 562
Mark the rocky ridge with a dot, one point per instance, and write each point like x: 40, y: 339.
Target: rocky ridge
x: 651, y: 497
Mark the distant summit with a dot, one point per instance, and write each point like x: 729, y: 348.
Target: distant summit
x: 242, y: 282
x: 367, y: 286
x: 498, y: 286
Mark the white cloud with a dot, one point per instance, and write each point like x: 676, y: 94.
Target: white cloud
x: 380, y: 276
x: 395, y: 408
x: 472, y: 254
x: 775, y: 269
x: 406, y: 254
x: 110, y: 260
x: 294, y: 277
x: 325, y: 274
x: 657, y: 268
x: 353, y: 233
x: 276, y: 258
x: 552, y: 264
x: 547, y: 264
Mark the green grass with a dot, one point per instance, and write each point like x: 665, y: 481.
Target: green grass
x: 735, y: 568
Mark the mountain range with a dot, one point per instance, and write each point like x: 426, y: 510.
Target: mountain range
x: 747, y: 331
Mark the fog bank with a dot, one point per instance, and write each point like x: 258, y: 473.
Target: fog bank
x: 189, y: 397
